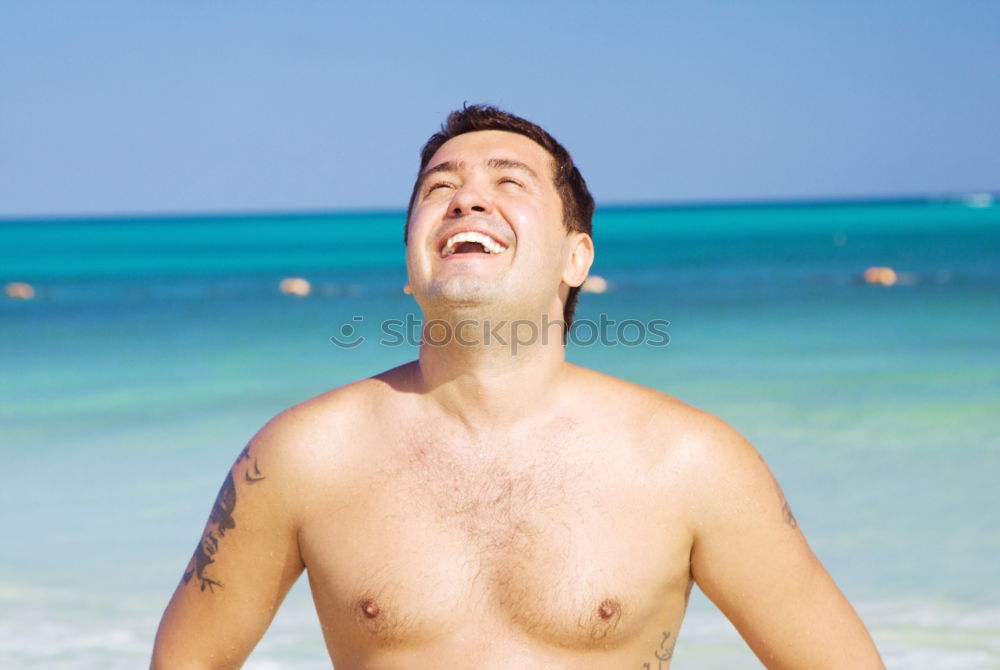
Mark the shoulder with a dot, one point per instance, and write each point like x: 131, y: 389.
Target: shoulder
x: 657, y: 412
x: 690, y: 444
x: 723, y: 478
x: 325, y: 436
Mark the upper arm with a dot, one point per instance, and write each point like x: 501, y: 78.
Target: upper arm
x: 751, y: 559
x: 245, y: 562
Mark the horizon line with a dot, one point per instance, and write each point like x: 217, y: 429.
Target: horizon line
x: 973, y: 198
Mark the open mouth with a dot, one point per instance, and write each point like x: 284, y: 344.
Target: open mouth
x: 471, y: 242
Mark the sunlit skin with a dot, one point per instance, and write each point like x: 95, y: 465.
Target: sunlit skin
x: 482, y: 509
x: 507, y: 191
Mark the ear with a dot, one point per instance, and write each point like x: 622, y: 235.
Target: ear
x: 580, y: 258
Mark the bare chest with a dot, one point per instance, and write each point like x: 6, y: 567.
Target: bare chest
x: 568, y: 551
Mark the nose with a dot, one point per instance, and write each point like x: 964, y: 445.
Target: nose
x: 469, y: 199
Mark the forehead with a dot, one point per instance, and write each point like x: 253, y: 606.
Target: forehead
x: 481, y: 146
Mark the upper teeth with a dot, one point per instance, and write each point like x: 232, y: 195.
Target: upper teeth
x: 489, y: 244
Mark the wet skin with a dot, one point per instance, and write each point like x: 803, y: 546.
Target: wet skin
x: 480, y: 509
x: 519, y: 549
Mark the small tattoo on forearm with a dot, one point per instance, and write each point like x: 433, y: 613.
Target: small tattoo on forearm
x: 219, y: 521
x: 663, y: 654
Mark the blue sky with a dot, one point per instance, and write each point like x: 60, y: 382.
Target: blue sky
x: 142, y: 107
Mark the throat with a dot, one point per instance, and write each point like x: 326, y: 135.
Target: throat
x: 489, y: 388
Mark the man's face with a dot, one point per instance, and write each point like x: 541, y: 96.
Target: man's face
x: 486, y: 225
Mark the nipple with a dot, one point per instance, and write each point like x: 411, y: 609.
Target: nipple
x: 370, y: 608
x: 608, y: 609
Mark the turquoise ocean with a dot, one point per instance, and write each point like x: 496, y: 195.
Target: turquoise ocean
x: 153, y: 348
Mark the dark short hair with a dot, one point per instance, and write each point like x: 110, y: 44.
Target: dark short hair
x: 577, y: 203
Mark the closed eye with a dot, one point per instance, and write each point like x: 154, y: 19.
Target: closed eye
x: 437, y: 185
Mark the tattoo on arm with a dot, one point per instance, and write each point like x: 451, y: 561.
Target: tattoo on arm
x: 219, y: 521
x: 663, y: 654
x: 786, y: 512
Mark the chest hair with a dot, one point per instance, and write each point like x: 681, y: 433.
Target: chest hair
x: 499, y: 496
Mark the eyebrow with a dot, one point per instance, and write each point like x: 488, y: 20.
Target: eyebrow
x: 508, y: 164
x: 447, y: 166
x: 492, y: 163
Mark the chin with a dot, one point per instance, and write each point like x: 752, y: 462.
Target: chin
x: 467, y: 291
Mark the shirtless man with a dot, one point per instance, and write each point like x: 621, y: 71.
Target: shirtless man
x: 481, y: 508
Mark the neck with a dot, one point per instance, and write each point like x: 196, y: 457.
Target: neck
x: 491, y: 375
